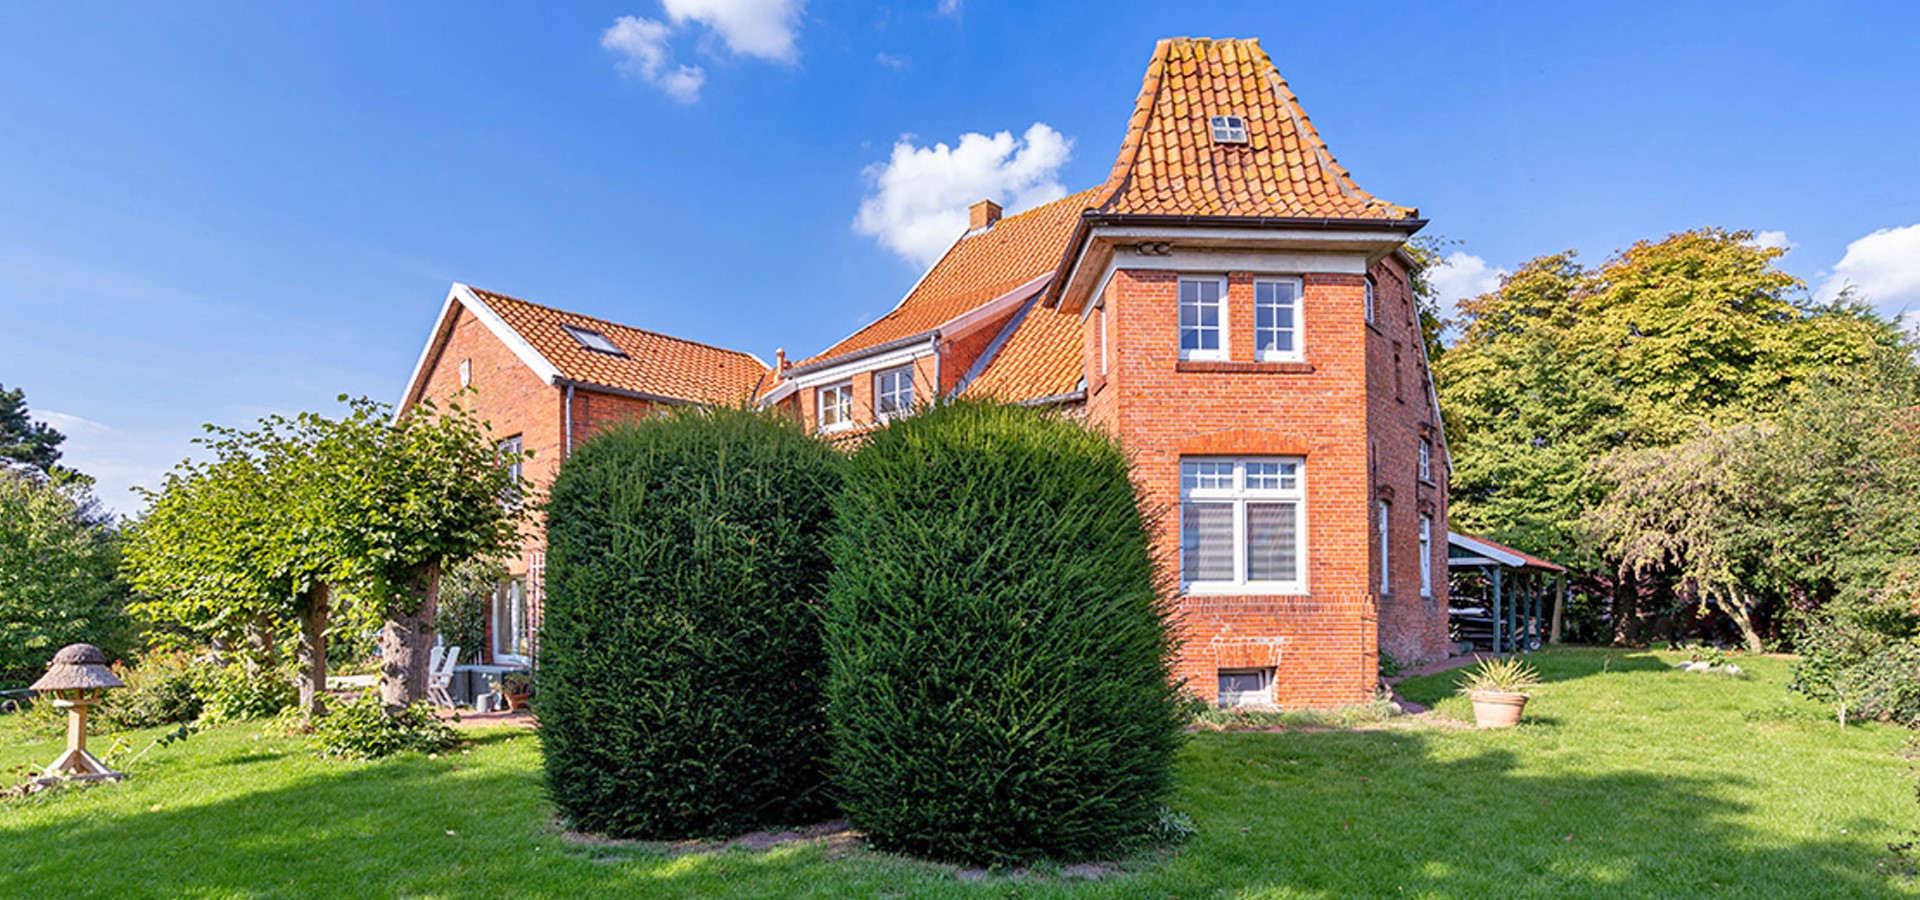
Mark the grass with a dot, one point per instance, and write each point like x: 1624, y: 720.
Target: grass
x: 1628, y: 779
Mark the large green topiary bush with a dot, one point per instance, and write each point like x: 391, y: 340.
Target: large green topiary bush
x: 680, y: 664
x: 999, y: 685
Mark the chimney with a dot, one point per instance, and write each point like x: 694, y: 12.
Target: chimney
x: 780, y: 360
x: 982, y: 215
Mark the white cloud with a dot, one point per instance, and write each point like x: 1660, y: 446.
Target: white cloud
x: 1462, y: 276
x: 920, y: 195
x: 890, y: 61
x: 1883, y: 268
x: 648, y: 57
x: 1773, y: 239
x: 950, y: 8
x: 68, y: 424
x: 762, y: 28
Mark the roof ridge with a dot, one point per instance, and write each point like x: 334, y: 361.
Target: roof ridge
x: 484, y: 293
x: 1122, y: 172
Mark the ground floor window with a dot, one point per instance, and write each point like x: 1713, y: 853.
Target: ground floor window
x: 511, y: 637
x: 1242, y: 525
x: 1246, y: 687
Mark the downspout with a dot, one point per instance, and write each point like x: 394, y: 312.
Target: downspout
x: 566, y: 440
x: 935, y: 343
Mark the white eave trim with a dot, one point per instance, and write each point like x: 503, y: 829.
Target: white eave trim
x: 442, y: 330
x: 1455, y: 538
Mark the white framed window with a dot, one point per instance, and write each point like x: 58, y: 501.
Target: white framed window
x: 1243, y: 525
x: 512, y: 453
x: 1203, y: 318
x: 1386, y: 569
x: 1246, y: 687
x: 511, y: 641
x: 1426, y: 556
x: 1426, y: 460
x: 893, y: 391
x: 1276, y: 319
x: 1228, y: 129
x: 1370, y: 290
x: 834, y: 406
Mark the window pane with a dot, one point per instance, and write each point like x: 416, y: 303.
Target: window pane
x: 1206, y: 541
x: 1273, y: 542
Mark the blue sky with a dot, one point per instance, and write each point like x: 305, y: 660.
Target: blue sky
x: 209, y: 213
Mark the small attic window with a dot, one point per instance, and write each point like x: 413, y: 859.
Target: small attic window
x: 1229, y: 129
x: 593, y: 340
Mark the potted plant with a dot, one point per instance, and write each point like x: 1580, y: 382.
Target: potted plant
x: 1498, y: 689
x: 516, y: 687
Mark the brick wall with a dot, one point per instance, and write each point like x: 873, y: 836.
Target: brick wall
x: 1323, y: 643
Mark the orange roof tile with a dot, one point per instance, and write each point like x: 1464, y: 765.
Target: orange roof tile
x: 1042, y: 358
x: 1169, y: 163
x: 979, y: 267
x: 654, y: 364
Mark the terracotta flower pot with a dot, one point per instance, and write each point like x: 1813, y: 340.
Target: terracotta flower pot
x: 1497, y: 709
x: 517, y: 702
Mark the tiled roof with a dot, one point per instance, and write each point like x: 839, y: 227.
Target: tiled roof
x: 1169, y: 163
x: 1042, y: 358
x: 654, y: 363
x: 977, y: 268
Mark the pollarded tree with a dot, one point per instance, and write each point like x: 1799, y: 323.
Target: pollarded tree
x: 403, y: 498
x: 999, y: 656
x: 681, y: 669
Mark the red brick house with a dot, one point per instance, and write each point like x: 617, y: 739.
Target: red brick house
x: 1229, y: 303
x: 1237, y: 311
x: 544, y: 380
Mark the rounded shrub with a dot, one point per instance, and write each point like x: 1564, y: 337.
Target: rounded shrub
x: 999, y: 658
x: 680, y: 669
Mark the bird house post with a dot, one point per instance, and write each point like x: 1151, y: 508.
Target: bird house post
x: 75, y: 682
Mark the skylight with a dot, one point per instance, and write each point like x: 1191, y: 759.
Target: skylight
x: 593, y: 340
x: 1229, y: 129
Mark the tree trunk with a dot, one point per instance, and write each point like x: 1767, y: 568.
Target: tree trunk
x: 313, y: 609
x: 406, y: 642
x: 260, y: 650
x: 1740, y: 607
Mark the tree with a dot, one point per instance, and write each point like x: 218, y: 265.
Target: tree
x: 404, y: 498
x: 57, y: 583
x: 24, y: 441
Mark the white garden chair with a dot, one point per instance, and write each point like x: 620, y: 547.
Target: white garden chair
x: 440, y: 675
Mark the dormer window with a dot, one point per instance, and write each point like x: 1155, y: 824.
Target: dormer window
x: 1229, y: 129
x: 593, y: 340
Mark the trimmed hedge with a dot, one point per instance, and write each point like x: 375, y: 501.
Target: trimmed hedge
x: 680, y: 660
x: 999, y: 684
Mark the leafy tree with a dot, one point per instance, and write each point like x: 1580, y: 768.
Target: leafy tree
x: 57, y: 583
x: 24, y: 441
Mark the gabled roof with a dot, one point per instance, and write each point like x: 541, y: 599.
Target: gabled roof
x: 1170, y: 164
x: 651, y: 364
x: 981, y: 266
x: 1040, y: 359
x: 1475, y: 549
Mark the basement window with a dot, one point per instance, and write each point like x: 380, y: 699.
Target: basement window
x: 593, y: 340
x: 1246, y: 687
x: 1229, y: 129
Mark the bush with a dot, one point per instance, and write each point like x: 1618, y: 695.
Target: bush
x: 361, y: 728
x: 233, y: 693
x: 680, y: 652
x: 1000, y: 688
x: 162, y: 690
x: 1863, y: 663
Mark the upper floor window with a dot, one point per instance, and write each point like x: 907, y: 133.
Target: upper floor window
x: 835, y: 406
x: 1370, y: 290
x: 1203, y: 320
x: 1426, y: 556
x: 893, y: 391
x: 1386, y: 570
x: 1276, y: 319
x: 1242, y: 525
x: 512, y: 454
x: 1426, y: 460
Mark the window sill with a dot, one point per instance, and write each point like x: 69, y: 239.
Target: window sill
x: 1244, y: 368
x: 1254, y: 589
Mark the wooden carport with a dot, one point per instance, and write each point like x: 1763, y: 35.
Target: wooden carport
x: 1519, y: 584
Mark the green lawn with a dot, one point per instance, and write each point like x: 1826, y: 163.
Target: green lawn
x: 1629, y: 779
